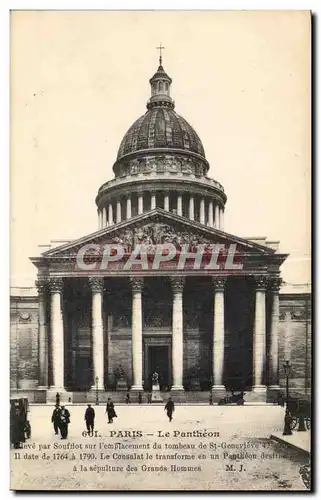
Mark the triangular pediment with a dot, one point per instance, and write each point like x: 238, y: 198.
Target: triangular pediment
x: 158, y: 227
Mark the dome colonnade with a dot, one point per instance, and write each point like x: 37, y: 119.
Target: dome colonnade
x: 161, y: 163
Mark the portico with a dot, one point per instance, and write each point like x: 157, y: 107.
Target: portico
x: 197, y: 328
x: 202, y: 317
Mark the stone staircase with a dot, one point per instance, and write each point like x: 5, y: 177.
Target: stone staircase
x: 83, y: 397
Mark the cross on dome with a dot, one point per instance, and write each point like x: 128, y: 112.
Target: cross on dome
x: 160, y: 48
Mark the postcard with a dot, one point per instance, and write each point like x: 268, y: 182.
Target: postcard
x: 160, y: 294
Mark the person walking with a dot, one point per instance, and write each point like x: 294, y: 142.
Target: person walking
x: 170, y: 407
x: 58, y: 399
x: 127, y: 398
x: 149, y: 398
x: 64, y: 421
x: 90, y: 419
x: 139, y: 398
x: 110, y: 410
x: 55, y: 418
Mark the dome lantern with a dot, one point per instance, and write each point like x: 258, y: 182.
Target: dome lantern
x: 160, y: 87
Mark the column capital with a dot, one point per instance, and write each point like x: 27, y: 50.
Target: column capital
x: 137, y: 284
x: 219, y: 282
x: 56, y: 285
x: 274, y: 284
x: 96, y: 284
x: 42, y: 285
x: 260, y: 282
x: 177, y: 283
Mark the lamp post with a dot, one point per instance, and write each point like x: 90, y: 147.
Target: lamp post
x: 97, y: 395
x: 287, y: 419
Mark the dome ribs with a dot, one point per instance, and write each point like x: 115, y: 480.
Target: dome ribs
x: 168, y: 128
x: 160, y: 127
x: 151, y: 128
x: 142, y: 136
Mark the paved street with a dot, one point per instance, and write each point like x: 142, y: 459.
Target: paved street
x: 206, y: 448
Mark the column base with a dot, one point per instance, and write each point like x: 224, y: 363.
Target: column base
x: 260, y: 389
x: 218, y: 392
x: 64, y: 396
x: 136, y: 388
x: 177, y: 388
x: 218, y: 388
x: 56, y: 388
x: 99, y: 388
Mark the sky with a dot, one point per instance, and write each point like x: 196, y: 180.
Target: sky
x: 80, y: 79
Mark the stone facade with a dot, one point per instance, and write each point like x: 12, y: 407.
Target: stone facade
x: 294, y: 342
x: 102, y: 319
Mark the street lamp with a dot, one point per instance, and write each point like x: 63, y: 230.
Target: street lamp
x: 287, y: 418
x: 287, y: 370
x: 97, y: 395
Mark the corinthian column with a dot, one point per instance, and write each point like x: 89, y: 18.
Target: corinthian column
x: 166, y: 202
x: 218, y: 333
x: 104, y: 217
x: 129, y: 207
x: 118, y: 211
x: 217, y: 217
x: 42, y: 286
x: 259, y: 336
x: 179, y: 205
x: 153, y: 201
x: 97, y: 287
x: 191, y: 207
x: 177, y: 334
x: 57, y: 334
x: 110, y: 215
x: 202, y: 211
x: 210, y: 213
x: 137, y: 334
x: 273, y: 356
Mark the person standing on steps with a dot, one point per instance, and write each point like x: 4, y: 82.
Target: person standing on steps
x: 55, y: 418
x: 110, y: 410
x: 90, y: 419
x: 170, y: 407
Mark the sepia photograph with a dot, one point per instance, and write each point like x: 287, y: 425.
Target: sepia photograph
x: 160, y: 250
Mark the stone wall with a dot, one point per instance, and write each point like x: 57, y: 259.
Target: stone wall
x: 24, y: 342
x: 295, y: 338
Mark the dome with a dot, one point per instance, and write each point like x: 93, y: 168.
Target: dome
x: 160, y: 127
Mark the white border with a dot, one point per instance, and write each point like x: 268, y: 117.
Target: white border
x: 7, y: 5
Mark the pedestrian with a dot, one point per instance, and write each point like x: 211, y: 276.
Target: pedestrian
x: 17, y: 434
x: 110, y: 410
x: 127, y: 398
x: 139, y: 398
x: 210, y: 399
x: 64, y: 421
x: 58, y: 399
x: 55, y: 418
x: 149, y: 397
x: 170, y: 407
x: 90, y: 419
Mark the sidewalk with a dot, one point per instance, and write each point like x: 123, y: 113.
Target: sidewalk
x: 299, y: 440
